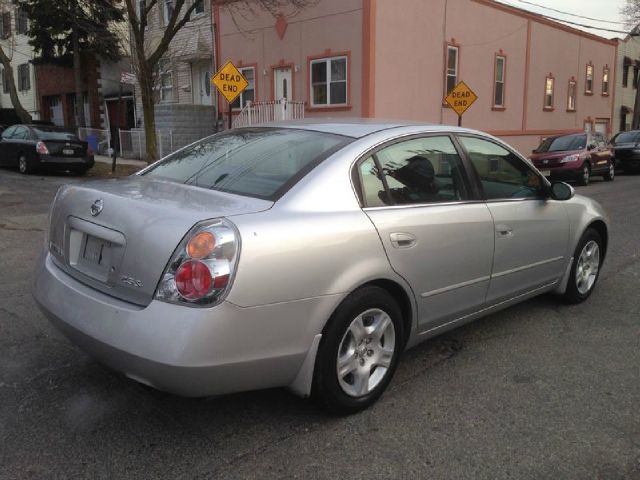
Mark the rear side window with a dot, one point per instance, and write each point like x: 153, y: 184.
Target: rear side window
x: 502, y: 173
x: 417, y: 171
x: 257, y: 162
x: 8, y: 133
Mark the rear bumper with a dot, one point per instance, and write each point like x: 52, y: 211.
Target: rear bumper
x: 55, y: 161
x: 187, y: 351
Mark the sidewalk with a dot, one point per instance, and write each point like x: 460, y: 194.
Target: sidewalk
x: 120, y: 161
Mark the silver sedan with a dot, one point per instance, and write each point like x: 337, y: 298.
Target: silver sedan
x: 308, y: 255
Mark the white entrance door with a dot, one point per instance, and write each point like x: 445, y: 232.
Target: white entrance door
x: 201, y: 82
x: 283, y: 82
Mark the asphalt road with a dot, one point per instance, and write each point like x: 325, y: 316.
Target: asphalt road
x: 539, y: 391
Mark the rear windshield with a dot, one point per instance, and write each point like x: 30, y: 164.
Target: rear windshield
x: 48, y: 133
x: 257, y: 162
x: 626, y: 137
x: 560, y: 144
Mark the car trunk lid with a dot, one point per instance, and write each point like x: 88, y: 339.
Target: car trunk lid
x: 66, y: 148
x: 117, y: 236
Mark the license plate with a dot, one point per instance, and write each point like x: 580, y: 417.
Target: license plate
x: 96, y: 252
x: 546, y: 173
x: 68, y: 151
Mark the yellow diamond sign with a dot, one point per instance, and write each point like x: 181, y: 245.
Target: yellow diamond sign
x: 461, y: 98
x: 229, y: 81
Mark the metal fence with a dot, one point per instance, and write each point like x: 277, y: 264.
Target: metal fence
x: 99, y: 140
x: 133, y: 146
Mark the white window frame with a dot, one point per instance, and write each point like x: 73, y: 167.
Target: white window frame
x: 27, y: 79
x: 328, y: 81
x: 165, y: 10
x: 165, y: 70
x: 588, y: 78
x: 552, y: 94
x: 606, y: 73
x: 21, y: 16
x: 448, y: 73
x: 496, y: 81
x: 241, y: 96
x: 572, y: 92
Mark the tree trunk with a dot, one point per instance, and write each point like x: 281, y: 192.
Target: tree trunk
x: 25, y: 117
x: 77, y: 74
x: 149, y: 116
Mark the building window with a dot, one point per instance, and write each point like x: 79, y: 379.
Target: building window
x: 588, y: 82
x: 199, y: 7
x: 5, y: 80
x: 249, y: 93
x: 167, y: 11
x: 22, y: 22
x: 571, y: 96
x: 548, y: 92
x: 24, y: 80
x: 451, y: 74
x: 499, y: 79
x: 625, y: 76
x: 329, y: 81
x: 605, y: 81
x: 5, y: 25
x: 165, y: 75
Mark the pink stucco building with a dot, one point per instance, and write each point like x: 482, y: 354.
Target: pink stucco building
x: 396, y: 59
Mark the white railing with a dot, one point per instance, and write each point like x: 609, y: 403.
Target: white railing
x: 133, y: 146
x: 98, y: 139
x: 265, y: 112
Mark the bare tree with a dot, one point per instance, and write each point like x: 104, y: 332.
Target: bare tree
x: 7, y: 50
x: 631, y: 14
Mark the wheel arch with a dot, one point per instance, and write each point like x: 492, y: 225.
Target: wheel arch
x: 600, y: 227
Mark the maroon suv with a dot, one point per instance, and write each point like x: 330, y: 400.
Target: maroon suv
x: 575, y: 157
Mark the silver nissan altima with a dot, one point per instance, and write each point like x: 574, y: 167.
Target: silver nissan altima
x: 308, y: 255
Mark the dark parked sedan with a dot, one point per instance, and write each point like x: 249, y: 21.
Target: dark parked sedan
x: 29, y: 147
x: 626, y: 150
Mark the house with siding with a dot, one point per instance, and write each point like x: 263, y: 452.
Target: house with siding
x: 389, y: 59
x: 14, y: 26
x: 627, y: 65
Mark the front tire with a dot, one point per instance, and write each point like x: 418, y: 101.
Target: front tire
x: 585, y: 270
x: 359, y: 351
x: 585, y: 175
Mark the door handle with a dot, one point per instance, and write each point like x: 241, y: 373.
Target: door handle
x: 402, y: 240
x: 504, y: 231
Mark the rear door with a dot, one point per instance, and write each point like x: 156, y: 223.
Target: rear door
x: 435, y: 231
x: 6, y: 147
x: 531, y: 230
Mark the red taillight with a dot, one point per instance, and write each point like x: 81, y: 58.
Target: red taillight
x: 42, y: 149
x: 193, y: 280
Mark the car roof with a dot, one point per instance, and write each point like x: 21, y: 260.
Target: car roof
x: 356, y: 127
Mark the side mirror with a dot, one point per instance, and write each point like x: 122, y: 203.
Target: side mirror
x: 561, y: 191
x: 591, y: 146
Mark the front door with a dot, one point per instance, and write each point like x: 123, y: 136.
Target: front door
x: 436, y: 237
x: 531, y: 230
x: 201, y: 82
x: 282, y: 78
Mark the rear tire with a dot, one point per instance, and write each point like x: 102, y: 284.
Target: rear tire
x: 80, y: 171
x: 24, y: 165
x: 358, y: 352
x: 610, y: 175
x: 585, y: 271
x: 585, y: 174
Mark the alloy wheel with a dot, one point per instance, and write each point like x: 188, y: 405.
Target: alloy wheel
x: 23, y: 167
x: 588, y: 266
x: 585, y: 175
x: 365, y: 352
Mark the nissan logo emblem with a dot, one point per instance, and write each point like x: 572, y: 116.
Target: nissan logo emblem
x: 96, y: 208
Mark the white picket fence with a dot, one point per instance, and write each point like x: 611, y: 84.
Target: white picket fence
x: 265, y: 112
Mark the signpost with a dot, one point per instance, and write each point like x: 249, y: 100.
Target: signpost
x: 460, y: 99
x: 230, y: 83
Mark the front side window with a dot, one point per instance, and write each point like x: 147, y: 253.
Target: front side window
x: 503, y: 175
x: 498, y: 88
x: 249, y: 93
x: 571, y: 96
x: 548, y: 93
x: 418, y: 171
x: 24, y: 79
x: 329, y: 78
x: 451, y: 73
x: 256, y: 162
x: 605, y: 81
x: 588, y: 83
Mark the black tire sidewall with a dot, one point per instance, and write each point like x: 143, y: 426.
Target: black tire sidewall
x: 581, y: 179
x: 572, y: 295
x: 326, y: 388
